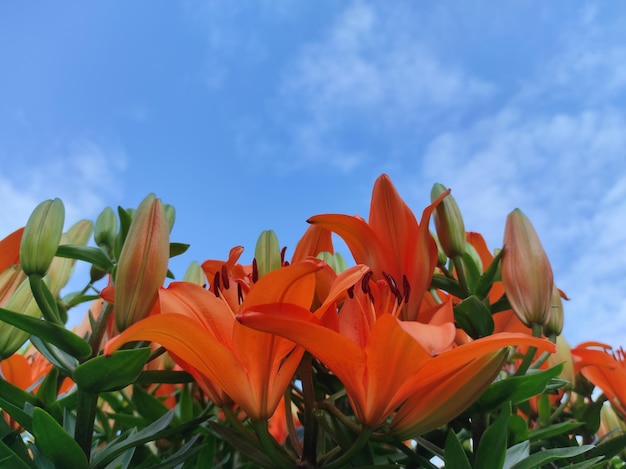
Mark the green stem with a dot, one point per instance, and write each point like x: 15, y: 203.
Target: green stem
x: 349, y: 455
x: 540, y: 361
x: 479, y: 425
x: 291, y: 428
x: 99, y: 329
x: 270, y: 446
x: 460, y: 273
x: 309, y: 424
x: 421, y: 460
x: 86, y: 407
x: 335, y: 412
x: 530, y: 354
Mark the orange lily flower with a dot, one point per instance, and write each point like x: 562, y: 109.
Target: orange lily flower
x: 605, y: 368
x: 200, y: 331
x: 391, y: 243
x: 384, y: 362
x: 10, y: 249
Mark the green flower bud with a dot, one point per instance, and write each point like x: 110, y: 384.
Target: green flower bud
x: 195, y: 274
x: 170, y: 212
x: 554, y: 325
x: 61, y: 268
x: 267, y: 253
x: 442, y: 259
x: 21, y: 301
x: 105, y: 230
x: 448, y: 223
x: 41, y: 238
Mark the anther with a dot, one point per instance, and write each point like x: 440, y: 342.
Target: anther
x: 365, y: 282
x: 255, y: 271
x: 393, y: 287
x: 350, y: 292
x: 406, y: 286
x: 225, y: 280
x: 239, y: 294
x: 216, y: 284
x: 282, y: 255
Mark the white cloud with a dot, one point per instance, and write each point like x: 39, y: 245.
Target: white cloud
x: 85, y: 176
x: 369, y: 72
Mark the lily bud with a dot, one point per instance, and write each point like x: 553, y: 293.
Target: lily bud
x: 105, y: 230
x: 554, y: 324
x: 526, y: 271
x: 21, y: 301
x: 61, y: 268
x: 267, y: 253
x: 10, y: 279
x: 448, y: 223
x: 170, y: 212
x: 195, y: 274
x: 142, y: 264
x: 41, y: 238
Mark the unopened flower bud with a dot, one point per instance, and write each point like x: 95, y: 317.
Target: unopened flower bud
x: 41, y: 238
x: 195, y: 274
x: 170, y: 212
x: 142, y: 265
x: 21, y: 301
x: 10, y: 279
x: 267, y: 253
x: 105, y: 229
x: 554, y: 324
x: 61, y: 268
x: 448, y: 223
x: 526, y: 271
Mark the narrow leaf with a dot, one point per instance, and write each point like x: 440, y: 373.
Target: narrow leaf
x: 454, y: 453
x: 102, y: 373
x: 92, y: 255
x: 64, y: 339
x: 55, y: 443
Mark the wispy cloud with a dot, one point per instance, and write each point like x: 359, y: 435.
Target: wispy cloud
x: 368, y: 75
x: 85, y: 175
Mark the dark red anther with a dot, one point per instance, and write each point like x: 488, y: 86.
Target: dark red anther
x: 365, y: 282
x: 255, y: 271
x: 406, y: 286
x: 282, y: 255
x: 216, y: 284
x: 239, y: 294
x: 393, y: 286
x: 225, y: 280
x: 350, y: 292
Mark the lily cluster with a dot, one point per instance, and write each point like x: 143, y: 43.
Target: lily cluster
x: 425, y: 349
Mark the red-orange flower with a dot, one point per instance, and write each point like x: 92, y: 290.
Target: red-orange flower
x: 605, y: 368
x: 199, y: 329
x: 383, y: 362
x: 391, y: 243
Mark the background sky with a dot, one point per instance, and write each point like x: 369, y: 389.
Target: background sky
x: 249, y: 116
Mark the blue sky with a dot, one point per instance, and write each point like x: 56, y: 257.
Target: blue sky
x: 256, y: 115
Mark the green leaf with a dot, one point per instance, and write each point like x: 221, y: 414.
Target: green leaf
x: 148, y: 406
x: 545, y: 433
x: 454, y: 453
x: 608, y: 449
x: 548, y: 455
x: 55, y: 443
x: 13, y: 400
x: 102, y: 373
x: 63, y: 361
x: 188, y: 450
x: 491, y: 450
x: 92, y: 255
x: 486, y: 280
x: 8, y: 458
x: 64, y: 339
x: 446, y: 284
x: 176, y: 249
x: 164, y: 376
x: 517, y: 388
x: 516, y: 453
x: 244, y: 446
x: 154, y: 431
x: 474, y: 317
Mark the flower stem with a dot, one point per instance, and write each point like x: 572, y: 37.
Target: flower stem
x: 460, y: 273
x: 309, y: 424
x: 357, y: 446
x: 530, y: 354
